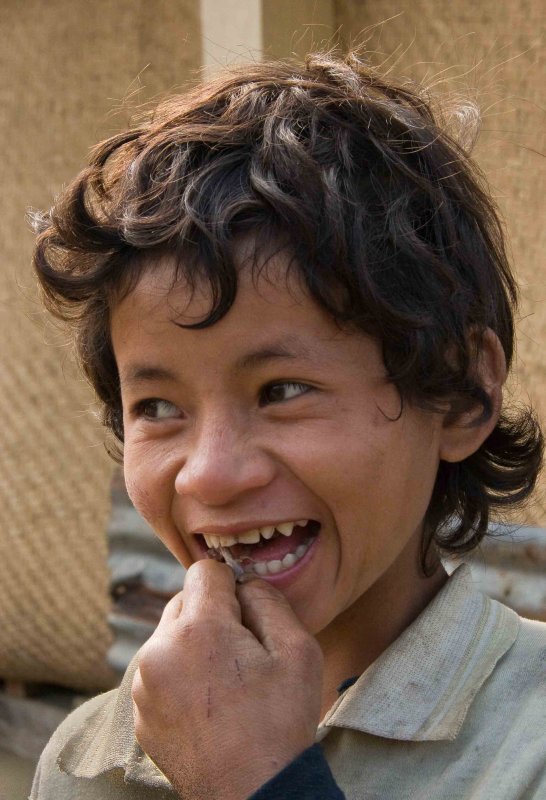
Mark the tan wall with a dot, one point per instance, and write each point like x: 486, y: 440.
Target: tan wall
x: 64, y: 65
x: 294, y: 29
x: 493, y: 49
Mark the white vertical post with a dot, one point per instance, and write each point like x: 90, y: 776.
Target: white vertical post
x: 231, y: 32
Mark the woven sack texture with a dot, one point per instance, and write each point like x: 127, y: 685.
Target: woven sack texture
x: 65, y: 64
x: 492, y: 51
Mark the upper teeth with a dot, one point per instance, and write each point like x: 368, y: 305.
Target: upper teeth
x: 253, y: 536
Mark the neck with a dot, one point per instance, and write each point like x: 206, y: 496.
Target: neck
x: 358, y: 636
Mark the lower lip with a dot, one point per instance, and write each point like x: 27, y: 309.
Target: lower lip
x: 281, y: 579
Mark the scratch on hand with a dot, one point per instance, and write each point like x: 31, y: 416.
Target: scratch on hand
x: 209, y: 688
x: 209, y: 704
x: 239, y: 674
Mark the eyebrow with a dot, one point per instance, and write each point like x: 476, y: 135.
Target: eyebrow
x: 276, y: 351
x: 145, y: 373
x: 137, y: 373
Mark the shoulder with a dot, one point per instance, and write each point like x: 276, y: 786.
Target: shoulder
x: 527, y: 657
x: 50, y: 780
x: 533, y: 634
x: 506, y: 726
x: 520, y: 672
x: 514, y: 696
x: 94, y: 754
x: 96, y: 706
x: 528, y: 651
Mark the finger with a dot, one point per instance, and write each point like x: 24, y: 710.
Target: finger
x: 267, y: 613
x: 172, y: 610
x: 209, y: 590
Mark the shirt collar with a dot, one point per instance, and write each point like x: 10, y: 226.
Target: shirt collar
x: 422, y: 686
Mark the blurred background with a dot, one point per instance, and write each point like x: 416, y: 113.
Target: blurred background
x: 82, y: 581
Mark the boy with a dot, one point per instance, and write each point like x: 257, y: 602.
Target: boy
x: 289, y: 290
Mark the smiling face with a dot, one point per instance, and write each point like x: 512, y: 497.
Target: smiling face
x: 270, y: 417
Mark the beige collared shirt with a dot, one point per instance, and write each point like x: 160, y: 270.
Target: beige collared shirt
x: 454, y: 709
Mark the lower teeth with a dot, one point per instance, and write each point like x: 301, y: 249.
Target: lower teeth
x: 260, y: 568
x: 275, y: 566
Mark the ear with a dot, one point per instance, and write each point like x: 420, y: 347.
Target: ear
x: 461, y: 438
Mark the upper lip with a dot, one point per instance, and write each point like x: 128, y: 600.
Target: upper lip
x: 243, y: 527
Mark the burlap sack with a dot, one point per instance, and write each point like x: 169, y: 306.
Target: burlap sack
x: 64, y: 65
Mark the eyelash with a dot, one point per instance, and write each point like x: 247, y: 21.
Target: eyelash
x: 283, y: 384
x: 141, y: 408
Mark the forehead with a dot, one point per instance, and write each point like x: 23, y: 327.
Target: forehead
x: 273, y: 320
x: 266, y: 285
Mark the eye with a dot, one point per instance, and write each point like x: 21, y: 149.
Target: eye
x: 282, y: 391
x: 154, y: 408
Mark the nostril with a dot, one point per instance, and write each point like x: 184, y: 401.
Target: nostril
x: 216, y: 474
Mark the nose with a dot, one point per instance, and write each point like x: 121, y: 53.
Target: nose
x: 223, y: 463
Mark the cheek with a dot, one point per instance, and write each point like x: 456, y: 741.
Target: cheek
x: 151, y: 493
x: 147, y: 486
x: 143, y: 498
x: 385, y: 484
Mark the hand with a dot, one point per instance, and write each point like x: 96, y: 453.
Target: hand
x: 228, y: 689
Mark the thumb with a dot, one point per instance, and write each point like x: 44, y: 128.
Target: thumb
x: 267, y: 614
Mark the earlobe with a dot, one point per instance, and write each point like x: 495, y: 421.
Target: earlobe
x: 461, y: 438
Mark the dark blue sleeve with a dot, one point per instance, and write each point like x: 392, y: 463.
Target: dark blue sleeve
x: 308, y: 777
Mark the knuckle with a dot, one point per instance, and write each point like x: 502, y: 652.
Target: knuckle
x: 137, y: 688
x: 149, y: 653
x: 174, y: 606
x: 303, y: 649
x: 195, y: 629
x: 153, y: 661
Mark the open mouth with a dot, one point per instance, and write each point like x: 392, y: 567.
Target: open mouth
x: 270, y: 550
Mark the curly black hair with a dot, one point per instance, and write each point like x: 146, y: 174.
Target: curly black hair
x: 387, y: 218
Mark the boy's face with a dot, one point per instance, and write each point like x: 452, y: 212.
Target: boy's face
x: 272, y: 415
